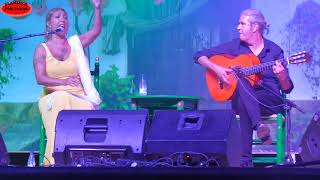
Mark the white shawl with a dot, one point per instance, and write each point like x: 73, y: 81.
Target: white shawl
x: 92, y: 94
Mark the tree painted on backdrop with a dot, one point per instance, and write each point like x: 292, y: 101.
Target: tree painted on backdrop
x: 39, y: 6
x: 6, y: 57
x: 303, y: 33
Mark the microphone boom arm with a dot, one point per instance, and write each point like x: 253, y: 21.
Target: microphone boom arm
x: 59, y: 29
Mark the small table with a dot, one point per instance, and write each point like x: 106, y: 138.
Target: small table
x: 158, y: 102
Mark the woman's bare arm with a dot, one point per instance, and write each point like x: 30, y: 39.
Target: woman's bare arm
x: 88, y: 37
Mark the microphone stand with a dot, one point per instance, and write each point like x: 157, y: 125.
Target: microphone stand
x: 288, y: 105
x: 29, y: 36
x: 2, y: 41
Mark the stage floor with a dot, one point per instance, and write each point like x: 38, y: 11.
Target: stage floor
x: 59, y: 173
x: 17, y: 170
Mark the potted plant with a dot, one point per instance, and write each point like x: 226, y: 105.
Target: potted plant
x: 116, y: 91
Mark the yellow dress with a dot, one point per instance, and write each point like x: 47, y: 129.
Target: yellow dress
x: 61, y: 98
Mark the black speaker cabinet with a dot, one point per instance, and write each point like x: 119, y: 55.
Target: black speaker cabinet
x: 214, y: 133
x: 98, y: 136
x: 310, y: 143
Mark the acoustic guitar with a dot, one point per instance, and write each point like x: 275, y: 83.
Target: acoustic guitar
x: 246, y: 65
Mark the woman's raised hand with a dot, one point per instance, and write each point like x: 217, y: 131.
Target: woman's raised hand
x: 96, y: 3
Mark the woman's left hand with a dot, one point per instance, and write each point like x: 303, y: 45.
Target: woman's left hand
x: 96, y: 3
x: 279, y: 71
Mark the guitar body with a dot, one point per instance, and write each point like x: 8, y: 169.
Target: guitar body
x: 225, y: 92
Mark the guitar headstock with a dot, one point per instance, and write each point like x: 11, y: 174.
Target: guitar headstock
x: 300, y: 57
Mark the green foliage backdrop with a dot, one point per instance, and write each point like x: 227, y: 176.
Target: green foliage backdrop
x: 115, y: 91
x: 6, y: 58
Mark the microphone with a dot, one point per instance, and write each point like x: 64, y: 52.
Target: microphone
x: 59, y: 29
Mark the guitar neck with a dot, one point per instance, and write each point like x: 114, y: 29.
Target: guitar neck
x: 247, y: 71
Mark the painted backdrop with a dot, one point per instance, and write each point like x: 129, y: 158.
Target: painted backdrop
x: 156, y: 38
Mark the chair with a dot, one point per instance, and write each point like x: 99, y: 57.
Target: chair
x: 42, y: 140
x: 279, y: 142
x: 279, y: 158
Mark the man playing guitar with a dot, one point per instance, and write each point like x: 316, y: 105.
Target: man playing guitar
x: 250, y: 102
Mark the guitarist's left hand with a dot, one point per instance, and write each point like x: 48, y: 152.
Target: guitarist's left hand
x: 279, y: 71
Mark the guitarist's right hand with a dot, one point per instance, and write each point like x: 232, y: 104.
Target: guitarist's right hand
x: 221, y: 72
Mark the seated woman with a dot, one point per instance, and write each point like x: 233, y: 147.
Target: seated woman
x: 61, y: 67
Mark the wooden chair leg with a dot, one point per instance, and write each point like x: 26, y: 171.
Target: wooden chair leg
x: 280, y: 139
x: 42, y: 145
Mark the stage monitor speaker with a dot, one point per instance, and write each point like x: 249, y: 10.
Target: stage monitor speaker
x: 310, y: 143
x: 4, y: 156
x: 213, y: 133
x: 98, y: 137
